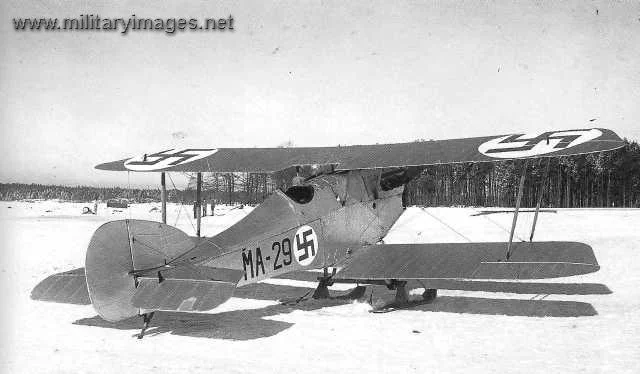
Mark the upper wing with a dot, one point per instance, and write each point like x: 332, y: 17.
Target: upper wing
x: 529, y: 260
x: 480, y: 149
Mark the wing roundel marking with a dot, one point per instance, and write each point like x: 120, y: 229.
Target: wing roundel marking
x: 305, y: 245
x: 530, y: 145
x: 167, y: 158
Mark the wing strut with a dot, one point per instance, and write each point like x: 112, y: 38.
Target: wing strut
x: 544, y: 188
x: 515, y: 213
x: 198, y: 202
x: 163, y: 197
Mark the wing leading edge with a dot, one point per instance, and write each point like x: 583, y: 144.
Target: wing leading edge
x: 529, y: 260
x: 479, y: 149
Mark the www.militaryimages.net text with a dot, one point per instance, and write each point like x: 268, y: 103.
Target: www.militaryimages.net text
x: 93, y: 22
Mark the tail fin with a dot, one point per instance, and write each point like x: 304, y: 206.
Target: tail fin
x: 119, y: 250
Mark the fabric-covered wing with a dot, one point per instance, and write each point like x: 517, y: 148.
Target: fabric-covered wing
x: 529, y: 260
x: 69, y: 287
x: 480, y: 149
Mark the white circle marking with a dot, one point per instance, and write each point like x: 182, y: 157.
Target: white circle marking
x: 305, y: 245
x: 529, y: 145
x: 166, y: 159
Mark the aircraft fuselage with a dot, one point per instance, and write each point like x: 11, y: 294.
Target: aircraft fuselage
x: 317, y: 224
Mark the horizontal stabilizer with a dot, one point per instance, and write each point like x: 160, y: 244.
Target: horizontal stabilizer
x: 69, y: 287
x: 186, y: 289
x: 470, y: 261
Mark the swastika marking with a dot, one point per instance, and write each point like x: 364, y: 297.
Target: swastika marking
x: 305, y: 246
x: 528, y: 145
x: 167, y: 158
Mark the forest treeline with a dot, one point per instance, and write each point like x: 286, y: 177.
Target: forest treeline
x: 610, y: 179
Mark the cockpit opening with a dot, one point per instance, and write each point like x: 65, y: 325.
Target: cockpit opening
x: 300, y: 194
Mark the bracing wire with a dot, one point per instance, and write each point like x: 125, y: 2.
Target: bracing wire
x: 502, y: 227
x: 181, y: 206
x: 177, y: 218
x: 129, y: 194
x: 446, y: 225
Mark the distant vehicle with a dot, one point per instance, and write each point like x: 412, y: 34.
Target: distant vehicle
x: 118, y: 203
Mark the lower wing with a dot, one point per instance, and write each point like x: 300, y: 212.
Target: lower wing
x: 535, y: 260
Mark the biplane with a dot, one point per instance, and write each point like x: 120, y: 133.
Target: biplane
x: 335, y: 218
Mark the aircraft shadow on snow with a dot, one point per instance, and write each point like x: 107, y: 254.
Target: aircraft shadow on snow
x: 257, y: 323
x: 70, y: 287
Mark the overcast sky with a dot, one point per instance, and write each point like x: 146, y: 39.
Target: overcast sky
x: 315, y: 73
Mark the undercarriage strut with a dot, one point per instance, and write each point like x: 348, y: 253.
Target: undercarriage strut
x: 146, y: 318
x: 326, y: 280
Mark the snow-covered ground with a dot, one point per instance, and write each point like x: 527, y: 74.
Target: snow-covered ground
x: 460, y: 332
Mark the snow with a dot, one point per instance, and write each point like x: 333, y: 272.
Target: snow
x: 460, y: 332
